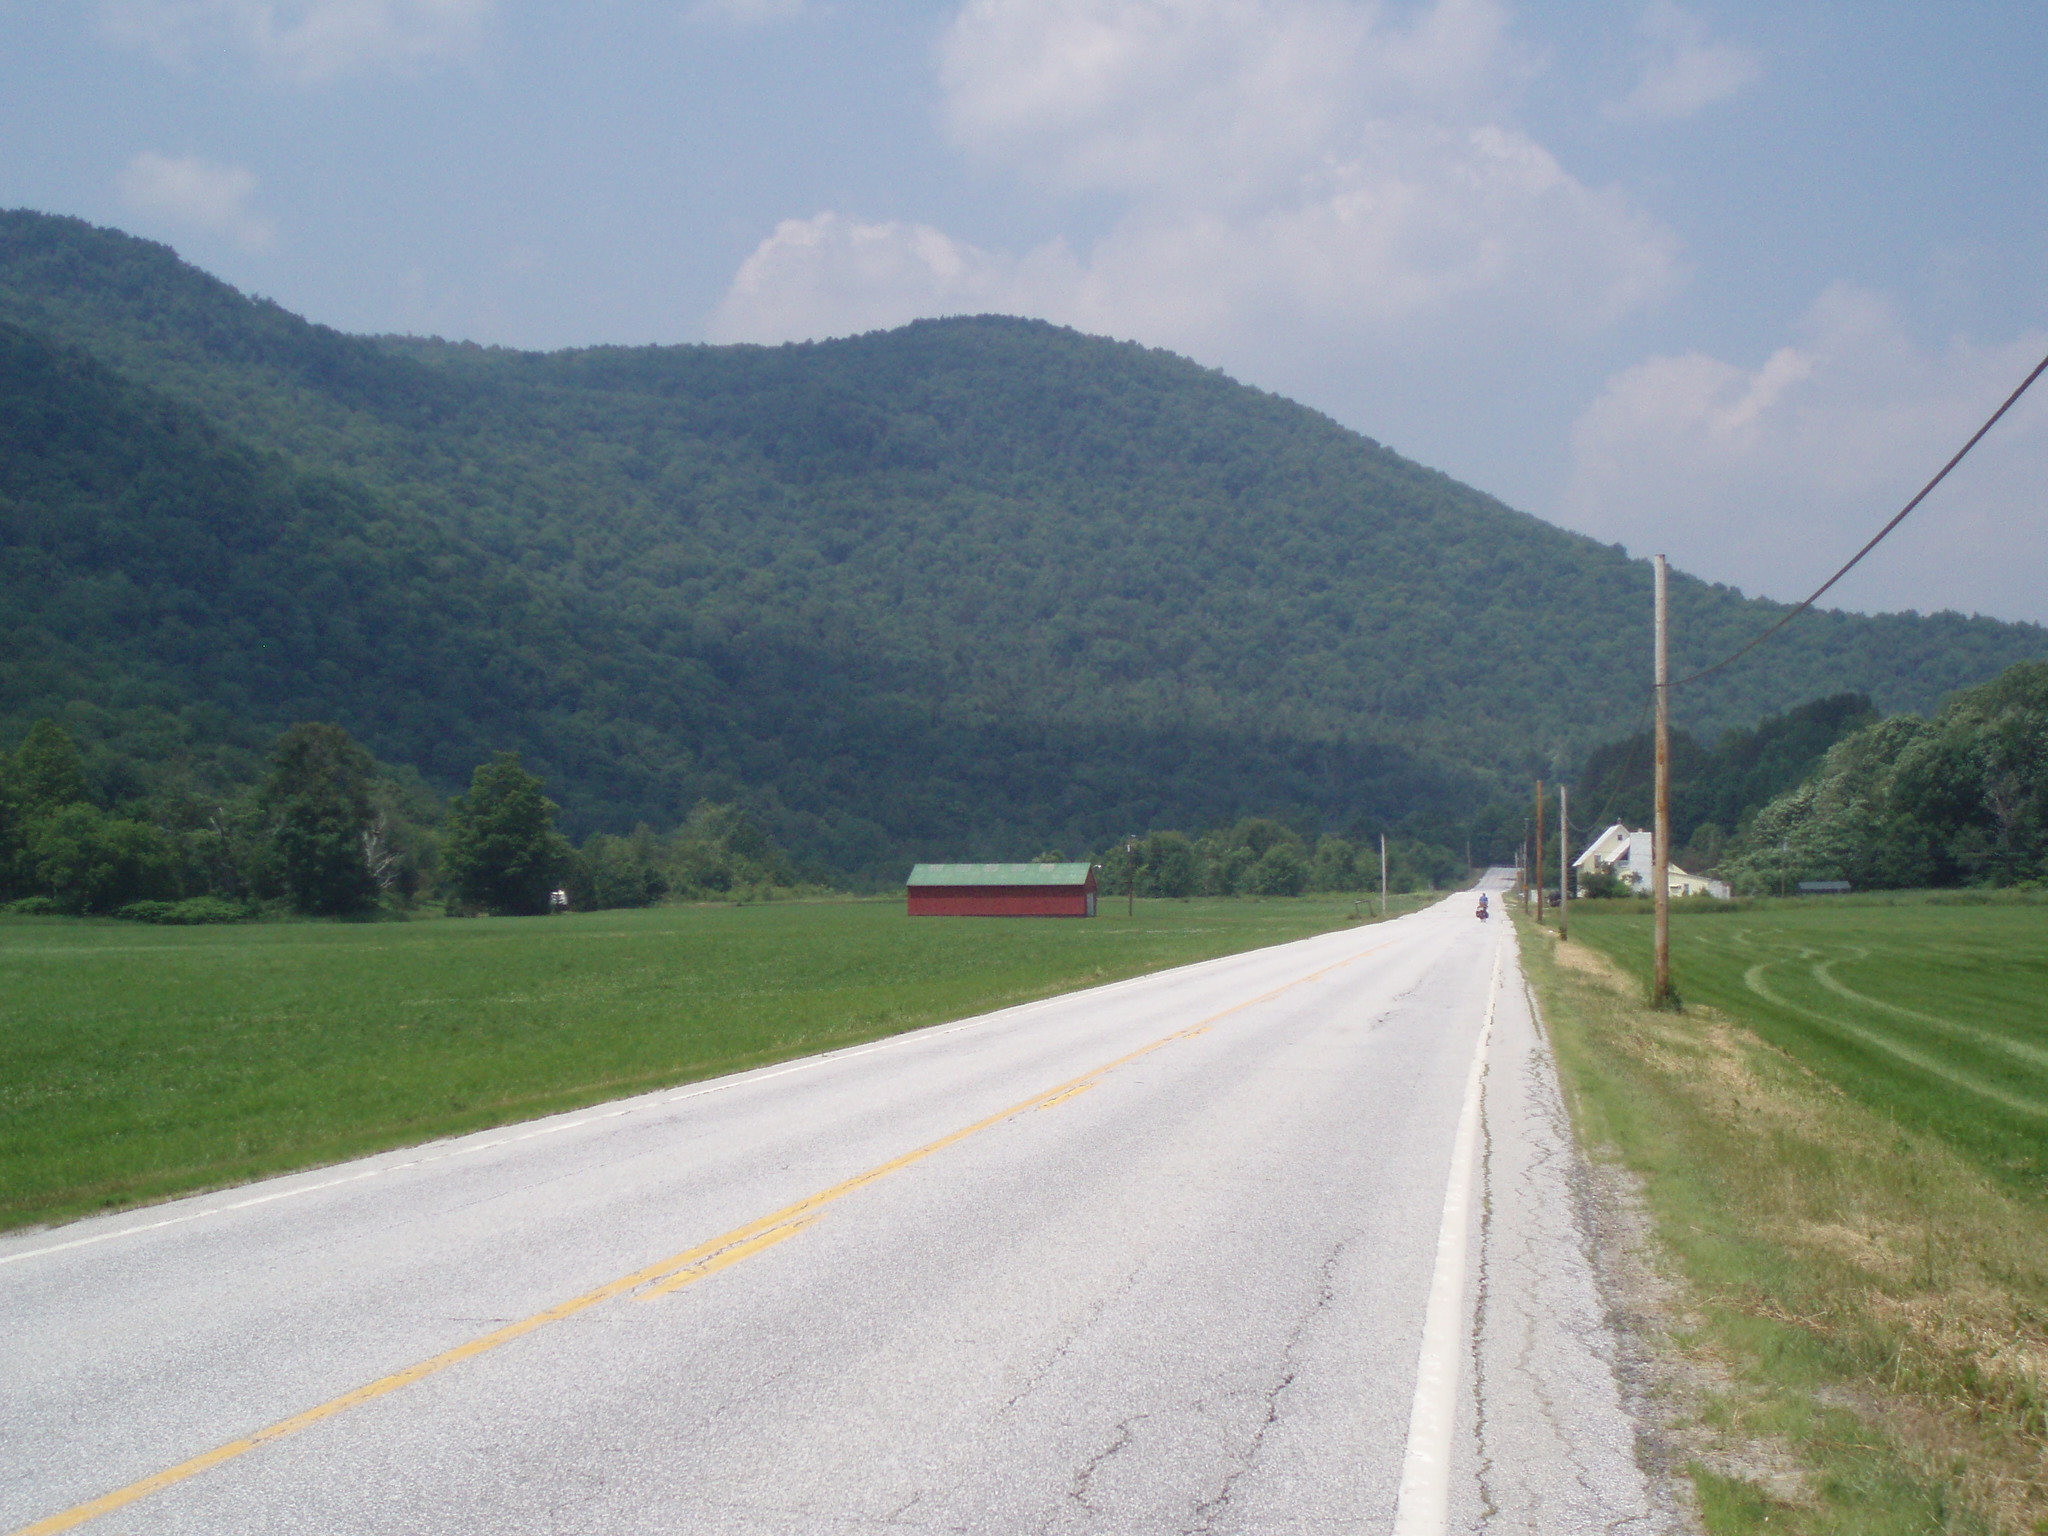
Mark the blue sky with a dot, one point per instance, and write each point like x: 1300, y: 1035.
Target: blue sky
x: 1727, y: 280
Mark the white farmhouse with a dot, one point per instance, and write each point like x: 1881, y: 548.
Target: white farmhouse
x: 1631, y: 856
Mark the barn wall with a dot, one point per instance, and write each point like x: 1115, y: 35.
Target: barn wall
x: 999, y: 901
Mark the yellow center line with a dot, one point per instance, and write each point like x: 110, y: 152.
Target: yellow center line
x: 725, y: 1257
x: 670, y: 1274
x: 1062, y: 1098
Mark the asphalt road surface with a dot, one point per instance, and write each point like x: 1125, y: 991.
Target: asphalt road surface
x: 1285, y: 1242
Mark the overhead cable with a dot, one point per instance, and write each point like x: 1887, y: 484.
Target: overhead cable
x: 1877, y: 538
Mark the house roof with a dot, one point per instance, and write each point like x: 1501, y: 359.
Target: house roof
x: 1000, y: 874
x: 1610, y: 842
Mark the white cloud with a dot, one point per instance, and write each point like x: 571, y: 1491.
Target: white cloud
x: 1770, y: 477
x: 1206, y: 98
x: 1287, y: 177
x: 198, y: 194
x: 1685, y: 72
x: 302, y: 40
x: 838, y: 276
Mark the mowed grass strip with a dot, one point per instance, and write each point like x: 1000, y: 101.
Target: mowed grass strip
x: 1928, y: 1012
x: 1836, y: 1142
x: 138, y: 1063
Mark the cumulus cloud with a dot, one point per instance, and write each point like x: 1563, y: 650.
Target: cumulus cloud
x: 198, y: 194
x: 835, y: 275
x: 302, y: 40
x: 1771, y: 476
x: 1283, y: 174
x: 1685, y: 72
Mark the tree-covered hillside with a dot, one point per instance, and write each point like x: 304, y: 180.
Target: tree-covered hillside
x: 968, y: 588
x: 1961, y: 799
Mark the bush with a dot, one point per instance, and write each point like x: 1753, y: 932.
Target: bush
x: 616, y: 872
x: 192, y: 911
x: 1170, y: 865
x: 32, y: 906
x: 92, y: 862
x: 1597, y: 884
x: 1336, y: 867
x: 1281, y: 871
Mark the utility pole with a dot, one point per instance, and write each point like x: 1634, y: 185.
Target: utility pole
x: 1564, y: 868
x: 1383, y: 874
x: 1131, y: 874
x: 1542, y: 873
x: 1660, y: 851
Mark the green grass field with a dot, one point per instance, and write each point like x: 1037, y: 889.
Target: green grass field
x: 137, y: 1063
x: 1930, y: 1011
x: 1840, y: 1140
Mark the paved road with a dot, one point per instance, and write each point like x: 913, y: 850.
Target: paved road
x: 1157, y: 1257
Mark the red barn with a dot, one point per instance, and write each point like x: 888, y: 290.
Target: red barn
x: 1002, y: 890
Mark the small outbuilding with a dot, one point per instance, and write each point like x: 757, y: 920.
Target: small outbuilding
x: 1002, y: 890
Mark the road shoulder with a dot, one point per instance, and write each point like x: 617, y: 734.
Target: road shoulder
x: 1555, y: 1418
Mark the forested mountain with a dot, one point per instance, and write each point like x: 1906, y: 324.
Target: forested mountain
x: 969, y: 588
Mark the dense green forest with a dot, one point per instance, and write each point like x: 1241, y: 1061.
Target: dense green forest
x: 1959, y: 799
x: 967, y: 589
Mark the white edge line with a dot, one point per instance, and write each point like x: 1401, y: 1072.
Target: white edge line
x: 655, y: 1100
x: 1424, y: 1505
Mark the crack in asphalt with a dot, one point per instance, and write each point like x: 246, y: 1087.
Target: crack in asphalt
x: 1060, y: 1351
x: 1077, y: 1491
x: 895, y: 1516
x: 1489, y: 1508
x: 1206, y: 1513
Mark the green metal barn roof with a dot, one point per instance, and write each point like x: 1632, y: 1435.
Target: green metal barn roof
x: 1000, y: 874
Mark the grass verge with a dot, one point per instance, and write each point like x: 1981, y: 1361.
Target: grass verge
x: 1854, y: 1337
x: 138, y: 1063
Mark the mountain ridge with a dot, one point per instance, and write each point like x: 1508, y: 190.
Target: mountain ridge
x: 977, y: 585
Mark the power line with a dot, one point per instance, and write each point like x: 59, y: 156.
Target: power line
x: 1877, y: 538
x: 1619, y: 784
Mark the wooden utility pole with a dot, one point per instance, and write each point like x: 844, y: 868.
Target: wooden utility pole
x: 1383, y: 874
x: 1131, y: 858
x: 1564, y: 868
x: 1541, y: 873
x: 1660, y: 850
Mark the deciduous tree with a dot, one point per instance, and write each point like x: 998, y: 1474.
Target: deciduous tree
x: 318, y: 797
x: 502, y: 851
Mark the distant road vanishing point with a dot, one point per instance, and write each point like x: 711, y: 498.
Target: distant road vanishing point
x: 1284, y: 1242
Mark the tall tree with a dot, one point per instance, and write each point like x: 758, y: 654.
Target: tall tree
x: 48, y: 772
x: 502, y: 852
x: 41, y: 778
x: 318, y: 797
